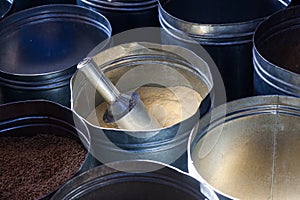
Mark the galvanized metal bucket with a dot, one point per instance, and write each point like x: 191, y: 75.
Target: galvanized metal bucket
x: 126, y: 14
x: 276, y: 54
x: 35, y: 117
x: 106, y: 182
x: 133, y: 65
x: 225, y: 29
x: 252, y: 151
x: 40, y: 48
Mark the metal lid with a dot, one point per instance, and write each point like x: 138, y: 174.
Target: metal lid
x: 49, y: 38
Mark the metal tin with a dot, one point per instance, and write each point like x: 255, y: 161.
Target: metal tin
x: 126, y: 14
x: 29, y: 118
x: 25, y: 4
x: 40, y: 48
x: 225, y: 29
x: 276, y: 54
x: 252, y: 151
x: 130, y: 66
x: 106, y: 182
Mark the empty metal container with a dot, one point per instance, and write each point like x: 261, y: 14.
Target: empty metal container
x: 276, y: 54
x: 225, y: 29
x: 130, y: 66
x: 40, y: 48
x: 129, y: 180
x: 252, y: 151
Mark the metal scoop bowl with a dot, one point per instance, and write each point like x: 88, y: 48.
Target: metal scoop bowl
x: 126, y: 110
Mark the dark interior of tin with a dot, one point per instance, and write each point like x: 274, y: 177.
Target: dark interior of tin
x: 283, y: 49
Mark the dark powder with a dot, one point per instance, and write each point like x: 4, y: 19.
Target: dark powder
x: 32, y: 167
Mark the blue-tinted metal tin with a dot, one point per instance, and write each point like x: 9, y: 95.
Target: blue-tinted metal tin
x: 40, y: 48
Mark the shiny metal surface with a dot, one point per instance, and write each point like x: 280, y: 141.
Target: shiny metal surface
x: 132, y: 180
x: 129, y: 66
x: 224, y: 26
x: 98, y: 79
x: 20, y: 5
x: 5, y: 7
x: 277, y: 70
x: 253, y: 151
x: 225, y: 29
x: 127, y: 111
x: 126, y: 14
x: 40, y: 48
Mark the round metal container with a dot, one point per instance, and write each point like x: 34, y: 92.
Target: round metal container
x: 40, y: 48
x: 105, y: 182
x: 30, y: 118
x: 252, y: 152
x: 25, y: 4
x: 126, y: 14
x: 276, y: 54
x: 224, y: 28
x: 133, y: 65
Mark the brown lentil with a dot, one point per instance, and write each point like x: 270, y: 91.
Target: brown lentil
x: 32, y: 167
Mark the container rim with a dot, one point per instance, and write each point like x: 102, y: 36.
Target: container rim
x: 212, y: 32
x: 79, y: 133
x: 278, y: 21
x: 276, y: 76
x: 45, y: 101
x: 105, y: 61
x: 122, y: 5
x: 238, y: 109
x: 3, y: 14
x: 130, y: 169
x: 48, y: 12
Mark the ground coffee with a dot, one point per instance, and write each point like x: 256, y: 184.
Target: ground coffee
x: 32, y: 167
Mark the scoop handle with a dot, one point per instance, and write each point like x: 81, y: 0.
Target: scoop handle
x: 98, y: 79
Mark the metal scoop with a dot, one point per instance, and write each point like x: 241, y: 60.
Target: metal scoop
x: 126, y: 110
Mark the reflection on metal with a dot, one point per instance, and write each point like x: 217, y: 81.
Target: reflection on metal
x: 254, y: 154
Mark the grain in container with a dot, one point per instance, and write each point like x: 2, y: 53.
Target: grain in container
x: 42, y: 145
x: 126, y: 14
x: 225, y: 29
x: 159, y: 71
x: 40, y: 48
x: 252, y: 152
x: 130, y: 180
x: 276, y: 54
